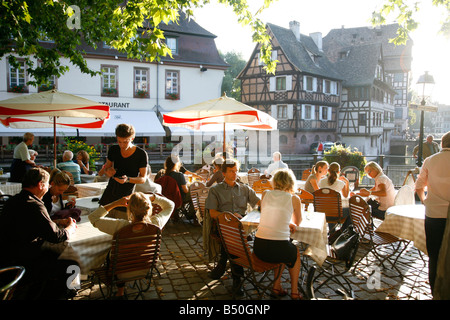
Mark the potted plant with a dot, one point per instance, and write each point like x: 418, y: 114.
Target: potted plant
x: 46, y: 87
x: 173, y: 96
x: 110, y: 91
x: 18, y: 88
x: 141, y: 94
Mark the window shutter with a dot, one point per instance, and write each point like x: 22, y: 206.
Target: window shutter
x: 272, y: 83
x: 288, y: 83
x: 290, y: 111
x: 274, y: 111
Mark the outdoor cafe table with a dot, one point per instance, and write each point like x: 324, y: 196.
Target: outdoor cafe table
x: 312, y: 231
x: 88, y: 246
x: 406, y: 222
x: 87, y: 205
x: 91, y: 189
x: 11, y: 188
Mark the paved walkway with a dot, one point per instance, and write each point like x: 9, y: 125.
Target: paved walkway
x: 183, y: 274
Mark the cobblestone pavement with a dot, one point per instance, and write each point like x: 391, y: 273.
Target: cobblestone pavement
x: 183, y: 274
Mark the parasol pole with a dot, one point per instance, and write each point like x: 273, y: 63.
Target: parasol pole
x: 224, y: 151
x: 54, y: 142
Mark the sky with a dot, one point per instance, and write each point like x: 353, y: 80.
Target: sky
x: 430, y: 50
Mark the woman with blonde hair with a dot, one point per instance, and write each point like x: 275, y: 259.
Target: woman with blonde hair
x: 272, y: 240
x: 384, y: 190
x: 139, y: 209
x: 83, y: 161
x: 318, y: 171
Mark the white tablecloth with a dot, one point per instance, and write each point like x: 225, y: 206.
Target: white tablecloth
x: 312, y: 231
x: 91, y: 189
x: 88, y: 246
x: 406, y: 222
x: 87, y: 205
x: 11, y: 188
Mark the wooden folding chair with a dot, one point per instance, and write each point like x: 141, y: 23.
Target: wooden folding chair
x: 72, y: 190
x: 305, y: 197
x: 328, y: 201
x: 305, y: 174
x: 253, y: 175
x: 360, y: 213
x: 262, y: 184
x: 134, y: 253
x: 238, y: 250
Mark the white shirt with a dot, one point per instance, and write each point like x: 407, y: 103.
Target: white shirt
x: 388, y: 200
x: 275, y: 166
x: 435, y: 175
x: 337, y: 186
x: 276, y: 214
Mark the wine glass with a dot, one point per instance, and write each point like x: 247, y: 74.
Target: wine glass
x: 351, y: 186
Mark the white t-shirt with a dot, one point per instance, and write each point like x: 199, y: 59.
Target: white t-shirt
x: 388, y: 200
x: 337, y: 186
x: 276, y: 214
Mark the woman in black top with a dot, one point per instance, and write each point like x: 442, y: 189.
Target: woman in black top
x: 126, y: 165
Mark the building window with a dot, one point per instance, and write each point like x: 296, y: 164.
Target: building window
x: 325, y: 113
x: 362, y: 119
x: 281, y: 84
x: 141, y: 85
x: 309, y: 84
x: 17, y: 78
x: 308, y: 112
x: 282, y: 112
x: 172, y: 85
x: 50, y: 84
x: 327, y: 86
x: 172, y: 44
x: 110, y: 80
x: 303, y: 139
x: 283, y: 139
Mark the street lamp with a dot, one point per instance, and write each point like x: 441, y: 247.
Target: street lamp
x: 427, y: 82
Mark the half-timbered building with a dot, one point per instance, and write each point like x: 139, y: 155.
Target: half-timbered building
x: 303, y: 94
x: 366, y: 115
x: 397, y: 60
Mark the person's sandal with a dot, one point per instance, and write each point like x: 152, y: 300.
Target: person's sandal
x: 276, y: 293
x: 297, y: 296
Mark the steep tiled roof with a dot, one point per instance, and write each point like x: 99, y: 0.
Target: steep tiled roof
x: 297, y: 53
x: 359, y: 65
x: 396, y: 57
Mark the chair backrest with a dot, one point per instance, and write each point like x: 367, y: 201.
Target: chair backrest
x: 305, y: 174
x: 135, y: 248
x: 202, y: 194
x: 72, y: 190
x: 262, y: 184
x: 352, y: 174
x: 360, y: 214
x: 264, y: 176
x: 9, y: 278
x: 328, y: 201
x: 252, y: 176
x: 203, y: 173
x: 405, y: 195
x: 170, y: 190
x: 194, y: 190
x: 305, y: 197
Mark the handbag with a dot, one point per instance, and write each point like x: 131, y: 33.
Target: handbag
x: 346, y: 244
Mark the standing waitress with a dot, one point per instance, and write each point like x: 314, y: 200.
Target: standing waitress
x: 126, y: 165
x: 21, y: 158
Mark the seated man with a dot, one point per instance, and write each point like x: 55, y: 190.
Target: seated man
x: 277, y: 164
x: 233, y: 197
x: 24, y: 226
x: 70, y: 166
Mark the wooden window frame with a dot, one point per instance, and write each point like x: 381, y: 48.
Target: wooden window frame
x: 110, y: 94
x: 137, y: 94
x: 13, y: 88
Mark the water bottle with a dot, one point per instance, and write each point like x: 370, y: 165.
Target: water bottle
x: 1, y: 171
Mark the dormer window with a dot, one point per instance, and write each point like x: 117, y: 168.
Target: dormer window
x: 172, y: 43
